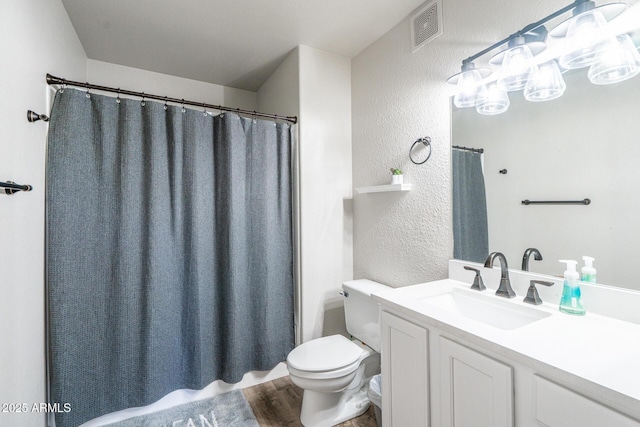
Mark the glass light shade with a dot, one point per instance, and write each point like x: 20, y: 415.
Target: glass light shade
x: 618, y: 61
x: 545, y: 84
x: 468, y: 89
x: 516, y: 67
x: 583, y: 40
x: 494, y: 101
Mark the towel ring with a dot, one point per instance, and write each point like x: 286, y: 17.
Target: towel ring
x: 426, y: 140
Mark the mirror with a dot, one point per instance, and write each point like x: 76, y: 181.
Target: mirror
x: 585, y: 144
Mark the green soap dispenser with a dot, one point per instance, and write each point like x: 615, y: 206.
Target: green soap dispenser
x: 571, y: 301
x: 588, y: 272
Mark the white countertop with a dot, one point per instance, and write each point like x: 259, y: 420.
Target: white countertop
x: 600, y: 354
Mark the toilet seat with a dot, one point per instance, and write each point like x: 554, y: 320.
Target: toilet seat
x: 327, y: 357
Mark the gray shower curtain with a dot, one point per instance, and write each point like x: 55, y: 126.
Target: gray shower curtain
x: 470, y: 234
x: 169, y: 251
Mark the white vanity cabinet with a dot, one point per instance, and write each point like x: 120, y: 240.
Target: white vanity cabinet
x: 405, y: 373
x: 475, y: 390
x: 556, y: 406
x: 471, y: 389
x: 432, y: 376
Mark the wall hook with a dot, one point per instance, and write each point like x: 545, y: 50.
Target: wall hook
x: 34, y: 117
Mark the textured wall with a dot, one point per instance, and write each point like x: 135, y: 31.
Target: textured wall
x: 399, y: 96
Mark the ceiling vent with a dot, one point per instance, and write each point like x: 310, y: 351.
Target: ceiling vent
x: 426, y: 24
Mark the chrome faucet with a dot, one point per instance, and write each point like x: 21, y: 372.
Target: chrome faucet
x: 505, y: 289
x: 525, y: 258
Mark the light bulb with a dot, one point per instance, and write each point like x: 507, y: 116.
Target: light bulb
x: 545, y: 84
x: 468, y: 88
x: 619, y: 60
x: 516, y: 67
x: 494, y: 101
x: 583, y: 40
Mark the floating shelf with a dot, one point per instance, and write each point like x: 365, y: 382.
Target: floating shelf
x: 383, y: 188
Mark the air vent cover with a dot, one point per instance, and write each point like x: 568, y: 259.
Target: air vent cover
x: 426, y: 24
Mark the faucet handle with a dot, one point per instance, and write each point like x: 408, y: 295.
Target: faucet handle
x: 478, y: 284
x: 532, y: 294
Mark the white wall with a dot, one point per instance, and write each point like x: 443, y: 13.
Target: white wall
x: 107, y: 74
x: 399, y: 96
x: 325, y: 189
x: 36, y: 38
x: 316, y: 86
x: 280, y: 94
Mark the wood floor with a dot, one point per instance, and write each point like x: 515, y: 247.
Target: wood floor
x: 277, y: 403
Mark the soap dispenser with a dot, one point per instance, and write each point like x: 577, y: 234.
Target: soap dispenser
x: 588, y: 272
x: 571, y: 301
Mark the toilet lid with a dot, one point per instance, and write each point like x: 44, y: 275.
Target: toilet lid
x: 324, y: 354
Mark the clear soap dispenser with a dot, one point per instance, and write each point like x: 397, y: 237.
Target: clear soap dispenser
x: 571, y: 301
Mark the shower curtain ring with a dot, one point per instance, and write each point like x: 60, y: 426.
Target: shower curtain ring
x: 87, y: 94
x: 143, y: 102
x: 184, y: 110
x: 204, y: 109
x: 255, y: 117
x: 165, y: 104
x: 118, y: 97
x: 64, y: 86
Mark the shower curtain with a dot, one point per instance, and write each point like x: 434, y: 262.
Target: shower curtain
x: 470, y: 234
x: 169, y: 250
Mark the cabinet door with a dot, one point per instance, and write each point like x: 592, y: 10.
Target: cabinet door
x: 477, y: 391
x: 575, y: 409
x: 405, y: 381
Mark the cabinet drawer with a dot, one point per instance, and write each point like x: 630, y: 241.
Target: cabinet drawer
x: 556, y: 406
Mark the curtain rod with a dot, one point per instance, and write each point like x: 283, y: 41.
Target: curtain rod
x: 475, y: 150
x: 53, y: 80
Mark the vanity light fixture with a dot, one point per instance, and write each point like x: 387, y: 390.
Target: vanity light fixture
x: 585, y: 42
x: 469, y: 87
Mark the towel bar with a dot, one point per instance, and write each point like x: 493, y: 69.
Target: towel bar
x: 557, y: 202
x: 11, y: 187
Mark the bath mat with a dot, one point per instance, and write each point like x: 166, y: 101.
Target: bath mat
x: 225, y: 410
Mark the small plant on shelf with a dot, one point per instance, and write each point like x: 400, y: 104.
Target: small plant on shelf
x: 396, y: 176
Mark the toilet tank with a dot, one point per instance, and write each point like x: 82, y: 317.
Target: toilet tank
x: 362, y: 314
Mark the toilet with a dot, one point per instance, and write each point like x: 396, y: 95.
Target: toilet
x: 334, y: 371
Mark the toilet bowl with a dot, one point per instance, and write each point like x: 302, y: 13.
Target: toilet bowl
x: 334, y: 371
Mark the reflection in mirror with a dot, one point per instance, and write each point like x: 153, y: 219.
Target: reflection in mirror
x: 585, y: 144
x: 470, y: 234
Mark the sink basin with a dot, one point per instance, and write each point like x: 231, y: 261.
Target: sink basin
x: 488, y: 309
